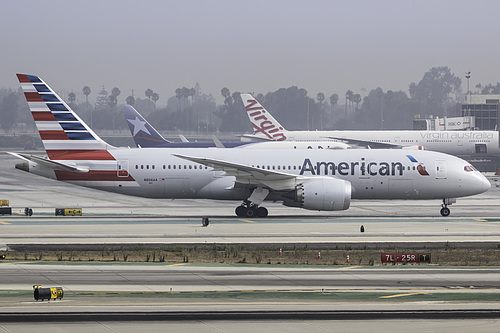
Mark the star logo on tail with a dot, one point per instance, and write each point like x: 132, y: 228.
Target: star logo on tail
x: 139, y: 125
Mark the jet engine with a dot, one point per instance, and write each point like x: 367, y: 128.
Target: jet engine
x: 321, y: 193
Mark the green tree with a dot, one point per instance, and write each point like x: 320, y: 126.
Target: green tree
x: 437, y: 88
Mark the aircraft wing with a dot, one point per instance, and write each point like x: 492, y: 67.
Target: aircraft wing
x: 272, y: 179
x: 368, y: 143
x: 48, y: 163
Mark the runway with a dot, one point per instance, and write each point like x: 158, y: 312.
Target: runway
x: 158, y: 277
x: 120, y: 229
x: 145, y: 288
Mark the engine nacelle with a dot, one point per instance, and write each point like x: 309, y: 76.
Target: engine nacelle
x: 321, y: 193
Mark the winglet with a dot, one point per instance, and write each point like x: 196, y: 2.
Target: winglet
x: 217, y: 142
x: 263, y: 123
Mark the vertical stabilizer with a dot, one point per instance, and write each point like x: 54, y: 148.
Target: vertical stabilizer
x: 144, y: 134
x: 62, y: 131
x: 263, y: 123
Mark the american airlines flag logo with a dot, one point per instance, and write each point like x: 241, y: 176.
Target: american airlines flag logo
x: 61, y: 130
x: 420, y: 167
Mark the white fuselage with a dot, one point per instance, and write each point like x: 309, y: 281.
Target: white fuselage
x: 450, y: 142
x: 374, y: 174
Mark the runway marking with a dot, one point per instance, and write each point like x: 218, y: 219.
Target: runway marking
x: 174, y: 265
x: 248, y: 221
x: 347, y: 267
x: 401, y: 295
x: 481, y: 220
x: 4, y: 222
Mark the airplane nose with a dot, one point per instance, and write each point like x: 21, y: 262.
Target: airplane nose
x: 475, y: 183
x: 486, y: 185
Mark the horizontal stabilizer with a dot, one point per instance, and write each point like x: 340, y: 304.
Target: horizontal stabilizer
x: 48, y: 163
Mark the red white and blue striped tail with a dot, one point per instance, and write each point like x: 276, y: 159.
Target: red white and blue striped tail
x: 64, y: 134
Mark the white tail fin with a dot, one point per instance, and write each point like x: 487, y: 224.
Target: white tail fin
x: 62, y: 131
x: 264, y: 124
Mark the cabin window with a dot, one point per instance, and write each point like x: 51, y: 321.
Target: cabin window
x: 136, y: 166
x: 190, y: 167
x: 142, y: 166
x: 174, y: 166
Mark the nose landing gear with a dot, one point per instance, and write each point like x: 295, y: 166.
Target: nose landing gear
x: 445, y: 211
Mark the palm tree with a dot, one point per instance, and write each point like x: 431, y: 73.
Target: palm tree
x: 71, y: 97
x: 185, y: 94
x: 86, y: 91
x: 155, y: 97
x: 334, y: 99
x: 320, y: 97
x: 356, y: 98
x: 149, y: 93
x: 192, y: 93
x: 113, y: 98
x: 225, y: 93
x: 130, y: 100
x: 178, y: 95
x: 348, y: 97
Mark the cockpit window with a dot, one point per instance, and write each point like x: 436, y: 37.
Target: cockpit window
x: 469, y: 168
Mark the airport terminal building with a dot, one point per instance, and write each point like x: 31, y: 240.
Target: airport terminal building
x: 485, y: 110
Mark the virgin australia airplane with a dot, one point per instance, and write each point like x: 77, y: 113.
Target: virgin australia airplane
x: 266, y: 127
x: 314, y: 179
x: 146, y: 136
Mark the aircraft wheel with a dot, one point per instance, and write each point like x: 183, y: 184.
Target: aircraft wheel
x: 251, y: 212
x: 241, y: 211
x: 445, y: 211
x: 262, y: 212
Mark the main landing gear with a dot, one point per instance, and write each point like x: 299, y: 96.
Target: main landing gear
x: 445, y: 211
x: 250, y: 207
x: 250, y: 211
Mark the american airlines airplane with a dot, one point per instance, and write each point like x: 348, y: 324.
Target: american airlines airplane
x: 146, y: 136
x: 266, y: 127
x: 314, y: 179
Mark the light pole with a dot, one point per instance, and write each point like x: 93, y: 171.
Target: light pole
x: 467, y: 76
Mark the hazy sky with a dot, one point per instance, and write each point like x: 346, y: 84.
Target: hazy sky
x: 247, y: 46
